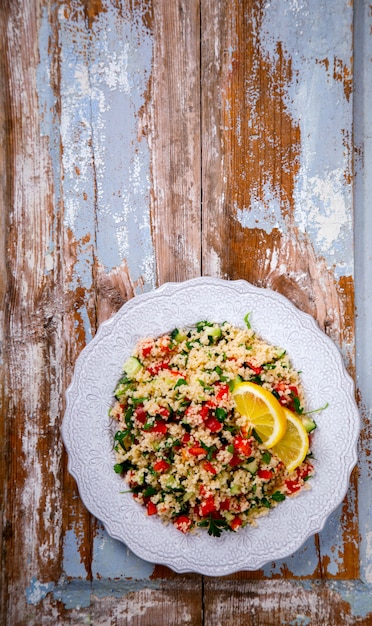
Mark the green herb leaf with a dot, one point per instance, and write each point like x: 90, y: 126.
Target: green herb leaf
x: 247, y: 322
x: 180, y: 381
x: 256, y: 436
x: 215, y: 526
x: 278, y: 496
x: 221, y: 414
x: 266, y: 457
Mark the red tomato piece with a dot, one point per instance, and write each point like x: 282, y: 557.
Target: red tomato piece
x: 280, y: 387
x: 235, y: 460
x: 236, y: 522
x: 186, y: 438
x: 292, y: 486
x: 140, y: 414
x: 265, y: 474
x: 202, y: 490
x: 161, y: 466
x: 304, y: 471
x: 146, y: 349
x: 157, y: 368
x: 209, y: 467
x: 208, y: 506
x: 151, y: 508
x: 213, y: 424
x: 164, y: 412
x: 197, y: 450
x: 242, y: 445
x: 255, y: 369
x: 183, y: 523
x: 293, y: 389
x: 204, y: 412
x: 225, y: 504
x: 159, y: 427
x: 222, y: 392
x: 165, y: 344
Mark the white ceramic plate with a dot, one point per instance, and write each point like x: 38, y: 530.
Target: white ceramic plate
x: 88, y: 432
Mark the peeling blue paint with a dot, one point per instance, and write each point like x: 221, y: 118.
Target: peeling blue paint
x: 264, y: 214
x: 323, y: 198
x: 72, y: 564
x: 37, y: 591
x: 107, y: 188
x: 303, y: 562
x: 112, y: 559
x: 77, y: 594
x: 300, y: 620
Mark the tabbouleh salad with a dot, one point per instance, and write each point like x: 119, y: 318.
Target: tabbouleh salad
x: 181, y: 445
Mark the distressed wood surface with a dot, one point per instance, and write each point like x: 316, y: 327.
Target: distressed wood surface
x: 145, y: 141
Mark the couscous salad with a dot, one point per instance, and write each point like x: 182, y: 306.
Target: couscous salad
x: 211, y: 427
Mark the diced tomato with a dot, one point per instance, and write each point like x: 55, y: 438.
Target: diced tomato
x: 211, y: 404
x: 183, y: 523
x: 236, y: 522
x: 235, y: 460
x: 165, y: 344
x: 293, y: 389
x: 164, y: 412
x: 280, y: 387
x: 225, y: 504
x: 151, y: 508
x: 213, y: 424
x: 186, y: 438
x: 255, y: 369
x: 209, y: 467
x: 202, y: 490
x: 305, y: 470
x: 140, y: 414
x: 204, y: 412
x: 208, y: 506
x: 159, y: 427
x: 222, y: 392
x: 292, y: 485
x: 153, y: 371
x: 242, y: 445
x: 161, y: 466
x: 146, y: 349
x: 196, y: 450
x: 264, y: 474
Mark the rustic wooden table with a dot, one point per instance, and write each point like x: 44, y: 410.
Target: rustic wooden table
x: 145, y: 141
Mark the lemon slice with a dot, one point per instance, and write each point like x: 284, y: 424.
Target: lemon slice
x: 294, y: 445
x: 262, y: 411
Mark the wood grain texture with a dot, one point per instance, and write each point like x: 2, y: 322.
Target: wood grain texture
x: 174, y: 138
x: 143, y: 141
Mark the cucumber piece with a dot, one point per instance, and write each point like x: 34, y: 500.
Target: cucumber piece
x: 177, y: 336
x: 235, y: 489
x: 215, y: 332
x: 308, y: 423
x: 232, y: 384
x: 252, y: 467
x: 132, y: 366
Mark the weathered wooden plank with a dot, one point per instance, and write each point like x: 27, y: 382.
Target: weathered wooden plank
x: 253, y: 603
x: 288, y: 212
x: 33, y: 326
x: 173, y: 125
